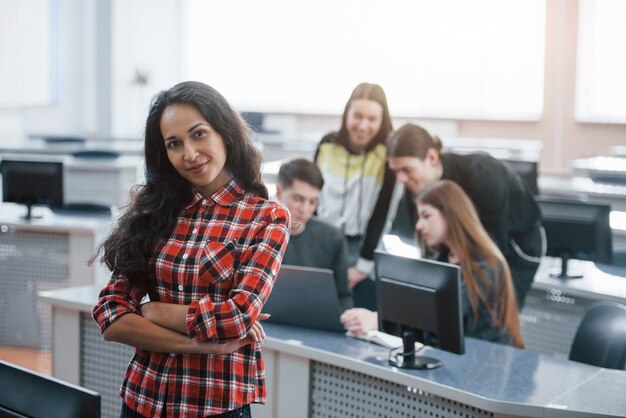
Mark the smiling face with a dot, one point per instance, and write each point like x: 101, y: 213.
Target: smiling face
x: 415, y: 174
x: 431, y: 225
x: 301, y: 199
x: 196, y: 151
x: 363, y: 121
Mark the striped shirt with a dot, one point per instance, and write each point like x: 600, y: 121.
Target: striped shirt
x: 221, y: 259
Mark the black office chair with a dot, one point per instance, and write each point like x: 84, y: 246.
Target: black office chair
x: 601, y: 337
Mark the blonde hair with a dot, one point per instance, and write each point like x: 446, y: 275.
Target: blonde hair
x: 471, y: 242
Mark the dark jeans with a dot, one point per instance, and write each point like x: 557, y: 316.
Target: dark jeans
x: 243, y: 412
x: 364, y: 293
x: 524, y: 262
x: 523, y: 273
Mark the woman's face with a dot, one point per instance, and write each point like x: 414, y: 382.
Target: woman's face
x: 363, y: 121
x: 194, y: 148
x: 431, y: 225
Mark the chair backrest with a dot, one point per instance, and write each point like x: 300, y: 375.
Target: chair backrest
x: 25, y: 393
x: 601, y: 337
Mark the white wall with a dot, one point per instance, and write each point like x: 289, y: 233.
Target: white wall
x: 102, y: 44
x: 146, y: 41
x: 74, y: 112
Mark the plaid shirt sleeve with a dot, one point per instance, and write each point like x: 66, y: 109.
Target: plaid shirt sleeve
x: 254, y: 278
x: 115, y: 301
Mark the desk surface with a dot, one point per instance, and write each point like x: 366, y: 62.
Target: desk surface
x: 580, y: 185
x: 39, y: 146
x: 595, y: 283
x: 11, y: 214
x: 489, y: 376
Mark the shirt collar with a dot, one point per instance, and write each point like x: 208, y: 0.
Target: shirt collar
x: 224, y: 196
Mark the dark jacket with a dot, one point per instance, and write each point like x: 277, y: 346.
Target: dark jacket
x: 504, y: 202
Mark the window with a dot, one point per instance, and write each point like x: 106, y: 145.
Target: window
x: 26, y: 46
x: 449, y: 59
x: 600, y: 69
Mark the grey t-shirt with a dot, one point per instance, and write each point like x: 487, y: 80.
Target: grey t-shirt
x: 323, y: 246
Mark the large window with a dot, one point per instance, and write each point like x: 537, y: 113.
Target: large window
x: 26, y: 51
x: 601, y: 66
x: 482, y: 59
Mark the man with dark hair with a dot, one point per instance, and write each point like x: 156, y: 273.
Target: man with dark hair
x: 313, y: 243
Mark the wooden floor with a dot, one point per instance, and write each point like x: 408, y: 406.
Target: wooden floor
x: 40, y: 361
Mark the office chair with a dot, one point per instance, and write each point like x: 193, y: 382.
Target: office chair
x: 601, y: 337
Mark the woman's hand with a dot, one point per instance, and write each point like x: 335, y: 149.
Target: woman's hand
x: 359, y: 320
x: 355, y: 276
x: 256, y: 335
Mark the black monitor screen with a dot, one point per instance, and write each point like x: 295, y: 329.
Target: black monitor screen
x: 576, y: 229
x: 528, y: 171
x: 26, y: 393
x: 420, y: 300
x: 32, y: 182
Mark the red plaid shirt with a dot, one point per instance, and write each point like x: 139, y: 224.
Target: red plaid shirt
x: 221, y: 259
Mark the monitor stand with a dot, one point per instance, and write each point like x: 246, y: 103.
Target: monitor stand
x: 29, y: 216
x: 563, y: 274
x: 407, y: 359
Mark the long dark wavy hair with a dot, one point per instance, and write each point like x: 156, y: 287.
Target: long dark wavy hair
x: 370, y: 92
x: 152, y: 212
x: 467, y: 235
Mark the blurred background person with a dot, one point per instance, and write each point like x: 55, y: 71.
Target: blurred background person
x: 359, y: 185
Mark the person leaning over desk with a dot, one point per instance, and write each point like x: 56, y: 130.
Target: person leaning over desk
x: 359, y: 184
x: 449, y: 227
x: 202, y: 240
x: 313, y: 243
x: 504, y: 202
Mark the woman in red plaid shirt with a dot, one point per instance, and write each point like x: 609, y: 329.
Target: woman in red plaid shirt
x: 204, y: 243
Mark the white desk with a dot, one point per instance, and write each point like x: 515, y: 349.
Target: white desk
x: 47, y: 253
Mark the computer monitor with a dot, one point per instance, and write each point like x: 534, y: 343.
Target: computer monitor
x: 576, y: 229
x: 32, y: 183
x: 26, y: 393
x: 528, y: 171
x: 419, y: 300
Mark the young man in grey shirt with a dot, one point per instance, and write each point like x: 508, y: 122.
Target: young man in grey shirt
x: 313, y: 243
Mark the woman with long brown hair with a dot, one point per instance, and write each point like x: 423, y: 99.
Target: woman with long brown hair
x: 202, y: 240
x: 449, y: 227
x: 358, y: 182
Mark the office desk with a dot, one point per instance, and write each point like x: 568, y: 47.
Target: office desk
x: 554, y: 307
x: 585, y: 188
x: 322, y: 374
x: 50, y: 252
x: 39, y: 146
x: 103, y: 181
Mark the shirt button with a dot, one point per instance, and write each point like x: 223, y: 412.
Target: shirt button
x: 172, y: 354
x: 185, y: 256
x: 204, y: 201
x: 180, y: 287
x: 195, y: 231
